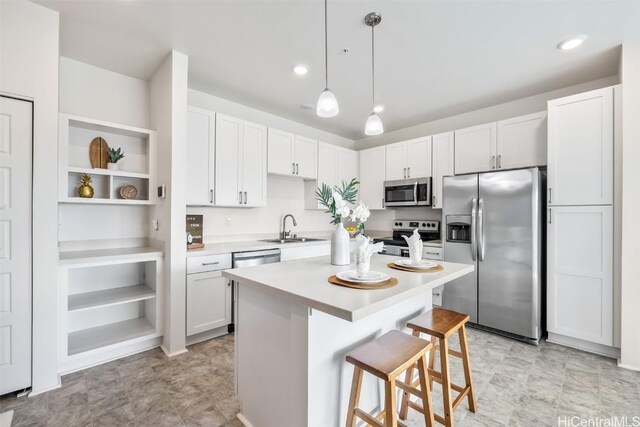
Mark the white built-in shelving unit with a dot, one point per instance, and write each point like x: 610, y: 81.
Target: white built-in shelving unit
x: 137, y: 167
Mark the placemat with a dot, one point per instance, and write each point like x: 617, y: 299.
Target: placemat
x: 392, y: 281
x: 413, y: 270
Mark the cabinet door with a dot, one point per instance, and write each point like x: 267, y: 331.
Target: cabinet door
x: 208, y: 302
x: 580, y: 273
x: 581, y: 149
x: 396, y: 161
x: 419, y: 158
x: 280, y: 152
x: 254, y: 164
x: 347, y: 165
x: 475, y: 149
x: 327, y: 164
x: 200, y: 146
x: 228, y: 138
x: 305, y: 157
x: 522, y: 141
x: 442, y: 149
x: 372, y: 162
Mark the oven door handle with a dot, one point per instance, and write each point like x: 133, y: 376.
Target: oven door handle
x: 415, y: 192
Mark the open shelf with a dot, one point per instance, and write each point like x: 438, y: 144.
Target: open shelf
x: 99, y: 171
x: 115, y: 255
x: 102, y: 336
x: 103, y: 298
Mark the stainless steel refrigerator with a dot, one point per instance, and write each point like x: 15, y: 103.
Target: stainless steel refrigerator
x: 494, y: 221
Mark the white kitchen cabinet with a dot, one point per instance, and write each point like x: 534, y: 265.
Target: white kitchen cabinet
x: 208, y: 302
x: 372, y: 176
x: 522, y: 141
x: 200, y: 156
x: 580, y: 169
x: 335, y: 165
x: 476, y: 149
x: 292, y: 155
x: 241, y: 163
x: 442, y: 160
x: 580, y: 273
x: 408, y: 159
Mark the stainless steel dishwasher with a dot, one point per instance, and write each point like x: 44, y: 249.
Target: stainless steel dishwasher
x: 249, y: 259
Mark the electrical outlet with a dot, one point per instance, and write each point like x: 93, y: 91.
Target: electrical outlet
x: 154, y: 224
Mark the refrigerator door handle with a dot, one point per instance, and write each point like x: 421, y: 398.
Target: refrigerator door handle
x: 474, y: 243
x: 481, y: 229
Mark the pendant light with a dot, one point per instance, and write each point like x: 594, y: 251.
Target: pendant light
x: 374, y: 124
x: 327, y: 102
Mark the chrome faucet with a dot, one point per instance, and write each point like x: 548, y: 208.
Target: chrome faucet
x: 284, y: 235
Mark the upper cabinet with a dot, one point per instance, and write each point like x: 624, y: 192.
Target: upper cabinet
x: 475, y: 149
x: 335, y: 164
x: 522, y: 141
x: 580, y: 168
x: 372, y: 176
x: 408, y: 159
x: 292, y: 155
x: 201, y: 127
x: 442, y: 155
x: 240, y: 163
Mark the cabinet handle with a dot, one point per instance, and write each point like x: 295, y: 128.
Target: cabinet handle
x: 409, y: 172
x: 549, y: 195
x: 499, y: 161
x: 435, y: 200
x: 383, y: 202
x: 297, y: 168
x: 228, y: 282
x: 404, y: 172
x: 493, y: 162
x: 431, y: 253
x: 211, y: 196
x: 245, y: 197
x: 240, y: 197
x: 211, y: 263
x: 293, y: 168
x: 549, y: 215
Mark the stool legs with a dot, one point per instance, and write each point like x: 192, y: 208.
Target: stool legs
x: 408, y: 379
x: 446, y: 383
x: 427, y: 409
x: 354, y: 397
x: 390, y: 419
x: 468, y: 378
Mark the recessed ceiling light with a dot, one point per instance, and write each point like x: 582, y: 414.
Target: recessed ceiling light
x: 572, y: 42
x: 378, y: 108
x: 301, y: 69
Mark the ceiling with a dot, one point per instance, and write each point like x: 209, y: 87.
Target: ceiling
x: 433, y: 58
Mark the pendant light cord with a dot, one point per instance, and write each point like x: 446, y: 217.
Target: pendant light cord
x: 373, y: 68
x: 326, y: 61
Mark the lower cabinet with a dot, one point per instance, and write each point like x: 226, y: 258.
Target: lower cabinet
x: 208, y: 302
x: 580, y: 273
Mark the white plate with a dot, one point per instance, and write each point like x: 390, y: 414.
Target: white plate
x: 422, y: 265
x: 371, y: 277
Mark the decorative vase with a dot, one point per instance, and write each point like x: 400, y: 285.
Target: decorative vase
x: 112, y: 166
x: 340, y: 246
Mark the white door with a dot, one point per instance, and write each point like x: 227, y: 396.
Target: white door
x: 208, y: 302
x: 475, y: 149
x: 280, y: 152
x: 15, y: 244
x: 200, y: 149
x: 580, y: 273
x: 396, y: 161
x: 347, y: 164
x: 581, y: 149
x: 254, y: 164
x: 305, y: 157
x: 327, y: 164
x: 522, y: 141
x: 419, y: 158
x: 228, y: 137
x: 442, y: 165
x: 372, y: 162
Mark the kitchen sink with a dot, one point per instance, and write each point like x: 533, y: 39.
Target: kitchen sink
x: 293, y: 240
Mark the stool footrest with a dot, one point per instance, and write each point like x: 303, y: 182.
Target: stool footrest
x: 463, y: 393
x: 408, y: 388
x: 368, y: 418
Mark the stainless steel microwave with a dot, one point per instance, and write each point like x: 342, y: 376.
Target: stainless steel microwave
x: 407, y: 192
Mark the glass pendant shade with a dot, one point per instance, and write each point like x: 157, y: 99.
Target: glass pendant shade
x: 327, y: 104
x: 374, y: 125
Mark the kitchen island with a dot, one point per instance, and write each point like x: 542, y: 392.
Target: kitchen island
x: 294, y: 329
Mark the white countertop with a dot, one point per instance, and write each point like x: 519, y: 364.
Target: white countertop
x: 305, y: 282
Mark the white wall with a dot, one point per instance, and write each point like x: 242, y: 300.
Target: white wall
x: 506, y: 110
x: 224, y: 106
x: 630, y: 287
x: 169, y: 118
x: 89, y: 91
x: 29, y: 68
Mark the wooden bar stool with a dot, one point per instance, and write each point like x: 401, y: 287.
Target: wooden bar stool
x: 387, y: 357
x: 441, y: 324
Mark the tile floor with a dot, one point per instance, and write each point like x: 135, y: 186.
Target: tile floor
x: 516, y: 385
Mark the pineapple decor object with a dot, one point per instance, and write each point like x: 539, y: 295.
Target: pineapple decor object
x: 85, y: 190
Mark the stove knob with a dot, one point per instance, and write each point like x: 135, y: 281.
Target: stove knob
x: 425, y: 225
